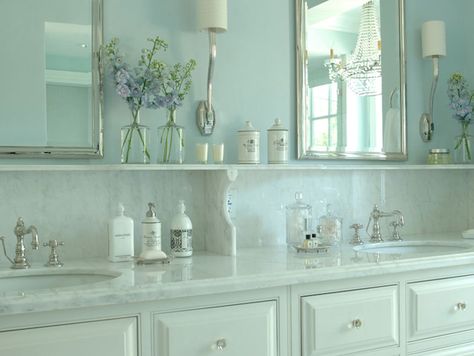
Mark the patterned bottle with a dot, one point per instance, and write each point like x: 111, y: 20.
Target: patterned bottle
x: 181, y: 233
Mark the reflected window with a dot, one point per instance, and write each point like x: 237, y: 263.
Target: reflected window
x: 323, y: 116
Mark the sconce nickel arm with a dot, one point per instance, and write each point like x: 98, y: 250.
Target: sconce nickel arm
x: 210, y: 73
x: 426, y: 120
x: 205, y: 118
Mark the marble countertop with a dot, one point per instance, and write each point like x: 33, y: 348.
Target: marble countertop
x: 206, y: 273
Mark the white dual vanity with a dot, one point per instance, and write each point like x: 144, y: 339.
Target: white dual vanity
x: 261, y: 302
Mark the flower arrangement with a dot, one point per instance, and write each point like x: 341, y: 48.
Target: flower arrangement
x: 152, y: 84
x: 175, y: 84
x: 460, y: 101
x: 138, y: 86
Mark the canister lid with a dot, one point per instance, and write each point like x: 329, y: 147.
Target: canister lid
x: 439, y: 150
x: 277, y: 126
x: 248, y: 127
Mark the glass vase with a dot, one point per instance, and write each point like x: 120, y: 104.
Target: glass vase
x: 462, y: 146
x: 171, y: 141
x: 134, y: 138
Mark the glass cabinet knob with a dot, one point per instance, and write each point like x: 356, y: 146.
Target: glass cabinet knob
x: 221, y: 344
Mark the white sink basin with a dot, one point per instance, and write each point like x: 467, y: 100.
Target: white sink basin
x: 28, y: 280
x: 414, y: 247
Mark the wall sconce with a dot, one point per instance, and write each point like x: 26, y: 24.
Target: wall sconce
x: 433, y: 41
x: 212, y: 16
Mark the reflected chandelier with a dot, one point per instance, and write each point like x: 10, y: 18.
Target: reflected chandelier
x: 363, y: 70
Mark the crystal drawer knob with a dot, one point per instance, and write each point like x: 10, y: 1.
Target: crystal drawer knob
x: 355, y: 324
x: 221, y: 344
x: 460, y: 306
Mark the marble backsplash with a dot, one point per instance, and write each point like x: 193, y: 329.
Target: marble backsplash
x: 432, y: 201
x: 74, y: 206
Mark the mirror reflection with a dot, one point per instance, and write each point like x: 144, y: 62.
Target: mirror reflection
x: 50, y: 100
x: 351, y: 87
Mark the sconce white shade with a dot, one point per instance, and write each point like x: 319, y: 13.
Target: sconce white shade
x: 212, y: 15
x: 433, y: 39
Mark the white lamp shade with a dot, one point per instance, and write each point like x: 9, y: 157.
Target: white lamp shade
x: 212, y: 15
x: 433, y: 39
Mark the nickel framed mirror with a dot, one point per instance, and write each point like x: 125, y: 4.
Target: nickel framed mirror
x: 350, y: 64
x: 51, y: 97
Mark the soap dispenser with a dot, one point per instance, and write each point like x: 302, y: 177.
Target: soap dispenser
x: 120, y: 231
x: 151, y: 225
x: 181, y: 233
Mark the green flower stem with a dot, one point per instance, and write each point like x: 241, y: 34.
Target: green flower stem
x: 166, y: 139
x: 129, y: 136
x: 464, y: 140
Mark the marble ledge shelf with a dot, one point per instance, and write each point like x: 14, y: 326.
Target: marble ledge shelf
x: 228, y: 167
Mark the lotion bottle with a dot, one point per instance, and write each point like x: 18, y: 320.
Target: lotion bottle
x: 181, y: 233
x: 151, y: 225
x: 120, y: 231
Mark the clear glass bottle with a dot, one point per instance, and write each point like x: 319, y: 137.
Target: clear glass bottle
x: 298, y: 217
x: 134, y: 139
x: 171, y: 141
x: 330, y: 227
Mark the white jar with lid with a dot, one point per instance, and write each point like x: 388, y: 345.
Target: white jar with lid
x: 277, y: 143
x: 249, y: 144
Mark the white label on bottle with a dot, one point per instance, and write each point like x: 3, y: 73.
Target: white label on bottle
x: 152, y: 235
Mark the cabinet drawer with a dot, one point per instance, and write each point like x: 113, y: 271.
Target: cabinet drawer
x: 440, y: 307
x: 356, y: 320
x: 247, y: 329
x: 117, y: 337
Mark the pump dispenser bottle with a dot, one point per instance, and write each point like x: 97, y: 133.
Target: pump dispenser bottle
x: 120, y: 231
x: 151, y: 225
x: 181, y: 233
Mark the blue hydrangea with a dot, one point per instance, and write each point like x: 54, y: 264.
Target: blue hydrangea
x: 460, y: 98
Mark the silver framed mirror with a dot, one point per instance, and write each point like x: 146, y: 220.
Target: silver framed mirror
x: 51, y: 103
x: 351, y: 85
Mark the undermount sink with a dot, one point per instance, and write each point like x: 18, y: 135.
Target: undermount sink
x: 414, y: 247
x: 28, y: 280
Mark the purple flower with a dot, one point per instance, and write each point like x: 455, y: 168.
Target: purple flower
x: 460, y: 98
x: 122, y: 76
x: 123, y: 90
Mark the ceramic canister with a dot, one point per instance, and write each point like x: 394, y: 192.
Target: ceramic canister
x: 277, y: 143
x: 249, y: 144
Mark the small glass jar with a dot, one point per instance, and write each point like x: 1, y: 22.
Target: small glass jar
x: 439, y: 156
x: 298, y: 221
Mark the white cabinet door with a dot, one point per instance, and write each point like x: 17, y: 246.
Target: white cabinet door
x: 116, y: 337
x: 440, y: 307
x: 460, y: 350
x: 349, y: 322
x: 237, y: 330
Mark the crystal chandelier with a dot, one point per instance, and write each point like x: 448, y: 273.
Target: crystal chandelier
x: 363, y: 70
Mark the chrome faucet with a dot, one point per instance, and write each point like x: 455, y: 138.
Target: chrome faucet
x: 400, y: 222
x: 375, y: 216
x: 20, y: 261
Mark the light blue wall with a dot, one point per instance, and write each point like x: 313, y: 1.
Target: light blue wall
x: 254, y: 76
x: 419, y: 71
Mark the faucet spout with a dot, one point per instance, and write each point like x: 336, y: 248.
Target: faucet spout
x: 20, y: 261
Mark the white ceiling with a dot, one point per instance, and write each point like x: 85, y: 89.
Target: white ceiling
x: 66, y: 39
x: 336, y: 15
